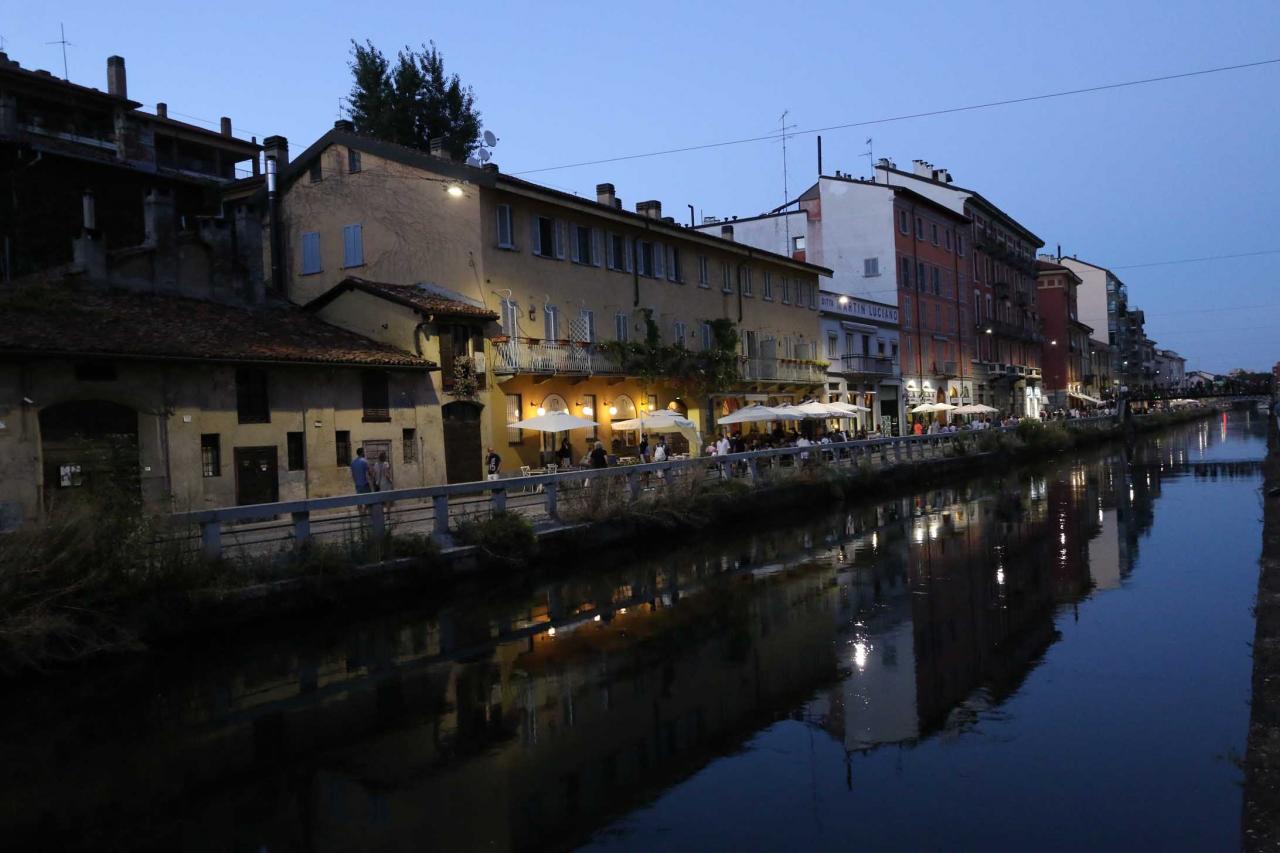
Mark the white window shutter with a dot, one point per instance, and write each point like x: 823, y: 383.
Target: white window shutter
x: 626, y: 254
x: 561, y: 232
x: 608, y: 248
x: 659, y: 260
x: 597, y: 250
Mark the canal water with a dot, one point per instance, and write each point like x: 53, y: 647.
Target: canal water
x: 1053, y: 657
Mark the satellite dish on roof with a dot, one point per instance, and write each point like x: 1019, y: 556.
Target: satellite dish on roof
x: 473, y: 162
x: 489, y: 139
x: 484, y: 155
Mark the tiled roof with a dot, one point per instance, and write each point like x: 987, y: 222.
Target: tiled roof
x: 411, y: 295
x: 60, y: 319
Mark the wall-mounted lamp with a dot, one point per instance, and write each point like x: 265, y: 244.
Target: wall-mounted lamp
x: 1053, y: 343
x: 613, y: 410
x: 541, y: 411
x: 843, y: 300
x: 989, y: 331
x: 532, y: 313
x: 454, y: 190
x: 588, y: 411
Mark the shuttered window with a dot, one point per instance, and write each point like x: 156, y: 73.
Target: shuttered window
x: 352, y: 246
x: 310, y: 252
x: 376, y: 394
x: 506, y: 230
x: 251, y: 396
x: 622, y: 327
x: 513, y: 414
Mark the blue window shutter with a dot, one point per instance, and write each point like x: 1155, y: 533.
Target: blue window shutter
x: 352, y: 246
x: 310, y: 252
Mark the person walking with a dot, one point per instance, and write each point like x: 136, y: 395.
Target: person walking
x: 381, y: 474
x: 598, y: 457
x: 660, y: 451
x: 644, y: 448
x: 493, y: 465
x: 565, y: 454
x: 360, y: 473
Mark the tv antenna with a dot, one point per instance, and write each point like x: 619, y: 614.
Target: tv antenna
x: 484, y: 150
x: 871, y: 158
x: 65, y: 44
x: 786, y: 192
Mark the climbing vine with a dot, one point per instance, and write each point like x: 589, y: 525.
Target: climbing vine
x: 702, y: 371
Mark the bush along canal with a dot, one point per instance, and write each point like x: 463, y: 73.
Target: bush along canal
x: 1051, y: 656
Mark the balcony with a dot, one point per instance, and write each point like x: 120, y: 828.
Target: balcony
x: 514, y: 356
x: 868, y: 364
x: 945, y: 369
x: 757, y: 369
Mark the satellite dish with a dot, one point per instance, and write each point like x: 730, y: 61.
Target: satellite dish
x: 473, y: 162
x: 490, y: 139
x: 484, y: 155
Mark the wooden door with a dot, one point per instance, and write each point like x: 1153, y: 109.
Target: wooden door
x: 463, y: 455
x: 373, y: 450
x: 256, y: 478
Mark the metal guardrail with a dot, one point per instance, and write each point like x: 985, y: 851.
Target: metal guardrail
x: 539, y: 495
x: 522, y: 355
x: 871, y: 364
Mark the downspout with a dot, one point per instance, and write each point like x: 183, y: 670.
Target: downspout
x: 273, y: 213
x: 915, y: 273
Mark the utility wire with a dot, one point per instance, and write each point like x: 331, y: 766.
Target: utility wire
x: 1198, y: 260
x: 927, y: 114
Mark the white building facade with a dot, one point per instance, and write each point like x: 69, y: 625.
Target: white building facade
x: 860, y: 344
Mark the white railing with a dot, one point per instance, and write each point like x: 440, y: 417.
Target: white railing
x: 525, y: 355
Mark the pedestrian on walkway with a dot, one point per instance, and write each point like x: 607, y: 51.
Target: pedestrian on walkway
x: 493, y: 465
x: 598, y: 457
x: 382, y: 474
x: 360, y: 473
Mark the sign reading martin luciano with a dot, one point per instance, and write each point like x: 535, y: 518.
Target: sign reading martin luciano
x: 861, y: 309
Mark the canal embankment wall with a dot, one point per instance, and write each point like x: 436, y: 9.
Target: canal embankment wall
x: 1261, y: 818
x: 334, y: 587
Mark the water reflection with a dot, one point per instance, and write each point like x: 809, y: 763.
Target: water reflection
x: 531, y: 722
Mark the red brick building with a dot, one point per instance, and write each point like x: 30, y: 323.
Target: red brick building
x: 1066, y: 340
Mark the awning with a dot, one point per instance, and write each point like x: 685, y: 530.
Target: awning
x: 1085, y: 397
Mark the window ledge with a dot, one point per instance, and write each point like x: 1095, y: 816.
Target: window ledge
x: 352, y: 266
x: 313, y: 272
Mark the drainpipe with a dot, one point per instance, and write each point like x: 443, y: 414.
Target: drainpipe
x: 273, y: 213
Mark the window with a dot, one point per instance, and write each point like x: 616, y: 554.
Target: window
x: 988, y: 315
x: 977, y: 305
x: 311, y: 252
x: 644, y: 258
x: 622, y: 327
x: 813, y: 294
x: 708, y: 337
x: 653, y: 402
x: 922, y: 277
x: 937, y: 281
x: 619, y: 258
x: 589, y: 412
x: 506, y: 227
x: 297, y: 451
x: 906, y: 272
x: 314, y: 171
x: 934, y: 226
x: 797, y: 243
x: 786, y: 291
x: 833, y: 343
x: 906, y: 311
x: 746, y: 286
x: 551, y: 322
x: 582, y: 245
x: 960, y: 244
x: 673, y: 264
x: 544, y: 236
x: 352, y: 246
x: 704, y: 271
x: 919, y: 228
x: 879, y: 347
x: 409, y: 445
x: 251, y: 396
x: 937, y: 318
x: 848, y: 343
x: 767, y: 287
x: 513, y: 414
x: 342, y: 444
x: 376, y: 394
x: 353, y: 160
x: 211, y: 454
x: 870, y: 267
x: 586, y: 331
x: 948, y: 239
x: 902, y: 222
x: 511, y: 317
x: 678, y: 333
x: 727, y: 284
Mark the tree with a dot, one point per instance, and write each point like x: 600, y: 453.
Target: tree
x: 412, y: 101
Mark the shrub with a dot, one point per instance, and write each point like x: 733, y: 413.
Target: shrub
x: 504, y: 538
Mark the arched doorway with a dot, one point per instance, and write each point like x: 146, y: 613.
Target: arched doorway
x: 90, y: 448
x: 550, y: 404
x: 463, y: 455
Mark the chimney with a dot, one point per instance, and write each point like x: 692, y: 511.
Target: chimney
x: 345, y: 125
x: 276, y: 148
x: 726, y: 232
x: 651, y: 209
x: 921, y: 168
x: 605, y: 194
x: 162, y: 110
x: 116, y: 84
x: 435, y: 147
x: 224, y: 125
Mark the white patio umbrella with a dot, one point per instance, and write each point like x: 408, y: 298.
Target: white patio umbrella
x: 930, y: 408
x: 554, y: 422
x: 975, y: 409
x: 846, y: 408
x: 757, y: 413
x: 663, y: 421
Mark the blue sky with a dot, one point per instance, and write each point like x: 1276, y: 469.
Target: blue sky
x: 1169, y: 171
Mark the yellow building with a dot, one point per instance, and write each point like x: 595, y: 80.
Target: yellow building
x: 569, y: 278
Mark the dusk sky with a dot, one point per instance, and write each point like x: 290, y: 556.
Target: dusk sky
x: 1127, y: 178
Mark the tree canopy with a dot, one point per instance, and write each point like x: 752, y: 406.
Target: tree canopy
x: 412, y: 100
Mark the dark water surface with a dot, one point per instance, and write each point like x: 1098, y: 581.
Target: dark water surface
x: 1051, y: 658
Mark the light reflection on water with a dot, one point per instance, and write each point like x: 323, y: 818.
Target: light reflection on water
x: 883, y: 674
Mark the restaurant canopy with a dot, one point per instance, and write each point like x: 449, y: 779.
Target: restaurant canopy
x: 554, y: 422
x: 975, y: 409
x: 930, y: 408
x: 1087, y: 398
x: 758, y: 414
x: 660, y: 422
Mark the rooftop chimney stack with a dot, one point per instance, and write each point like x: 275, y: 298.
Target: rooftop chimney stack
x: 276, y: 148
x: 726, y: 232
x: 605, y: 194
x: 162, y: 110
x: 225, y: 125
x: 345, y: 125
x: 651, y: 209
x: 435, y: 146
x: 116, y: 83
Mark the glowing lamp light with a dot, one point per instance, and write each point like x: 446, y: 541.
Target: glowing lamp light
x: 551, y: 632
x: 613, y: 410
x: 588, y: 411
x: 989, y: 331
x: 843, y: 300
x: 454, y: 190
x: 541, y: 411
